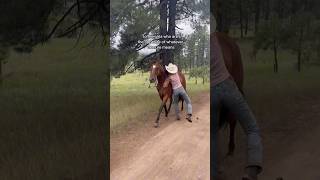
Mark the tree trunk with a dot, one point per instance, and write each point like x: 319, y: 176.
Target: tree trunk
x: 195, y: 59
x: 203, y: 51
x: 294, y: 7
x: 172, y: 26
x: 163, y: 29
x: 257, y: 15
x: 267, y: 10
x: 300, y: 48
x: 281, y: 9
x: 247, y: 22
x: 275, y: 65
x: 226, y: 21
x: 1, y: 72
x: 218, y: 15
x: 240, y: 14
x: 299, y: 61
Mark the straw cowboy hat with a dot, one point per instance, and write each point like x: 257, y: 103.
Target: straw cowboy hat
x: 172, y: 68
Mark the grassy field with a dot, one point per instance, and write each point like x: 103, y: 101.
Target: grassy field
x: 278, y: 98
x: 52, y: 115
x: 259, y: 73
x: 131, y: 98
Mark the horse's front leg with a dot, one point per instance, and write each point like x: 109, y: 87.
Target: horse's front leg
x: 163, y: 103
x: 171, y: 98
x: 166, y: 98
x: 156, y: 123
x: 165, y: 109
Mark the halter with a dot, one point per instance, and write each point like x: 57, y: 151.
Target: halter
x: 156, y: 77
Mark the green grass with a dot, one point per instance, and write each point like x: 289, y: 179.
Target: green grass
x: 52, y: 112
x: 278, y: 98
x: 260, y: 70
x: 131, y: 99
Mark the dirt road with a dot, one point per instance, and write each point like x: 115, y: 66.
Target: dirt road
x: 177, y: 150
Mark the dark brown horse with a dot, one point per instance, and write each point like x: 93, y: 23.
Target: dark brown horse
x: 232, y: 58
x: 158, y: 75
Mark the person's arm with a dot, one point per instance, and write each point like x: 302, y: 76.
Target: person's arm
x: 166, y: 82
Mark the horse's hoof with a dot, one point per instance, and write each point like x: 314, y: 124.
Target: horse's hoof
x: 156, y: 125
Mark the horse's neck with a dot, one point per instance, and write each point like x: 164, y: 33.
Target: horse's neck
x: 161, y: 78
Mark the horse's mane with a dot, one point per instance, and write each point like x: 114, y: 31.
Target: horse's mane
x: 165, y: 72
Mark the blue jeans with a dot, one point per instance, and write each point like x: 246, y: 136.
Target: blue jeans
x: 176, y: 94
x: 227, y: 94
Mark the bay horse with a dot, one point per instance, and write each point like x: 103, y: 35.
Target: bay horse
x: 158, y: 75
x: 232, y: 58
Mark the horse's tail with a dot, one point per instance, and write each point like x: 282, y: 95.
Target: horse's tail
x: 242, y: 92
x: 181, y: 104
x: 223, y: 122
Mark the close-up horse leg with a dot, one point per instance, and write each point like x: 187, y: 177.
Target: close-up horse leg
x: 170, y: 104
x: 165, y: 109
x: 165, y: 100
x: 156, y: 124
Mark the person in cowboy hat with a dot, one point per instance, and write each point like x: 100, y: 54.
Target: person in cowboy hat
x: 178, y: 90
x: 224, y: 92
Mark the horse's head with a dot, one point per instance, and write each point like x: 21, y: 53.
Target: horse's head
x: 156, y: 70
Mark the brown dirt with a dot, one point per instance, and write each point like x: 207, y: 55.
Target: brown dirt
x: 176, y: 150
